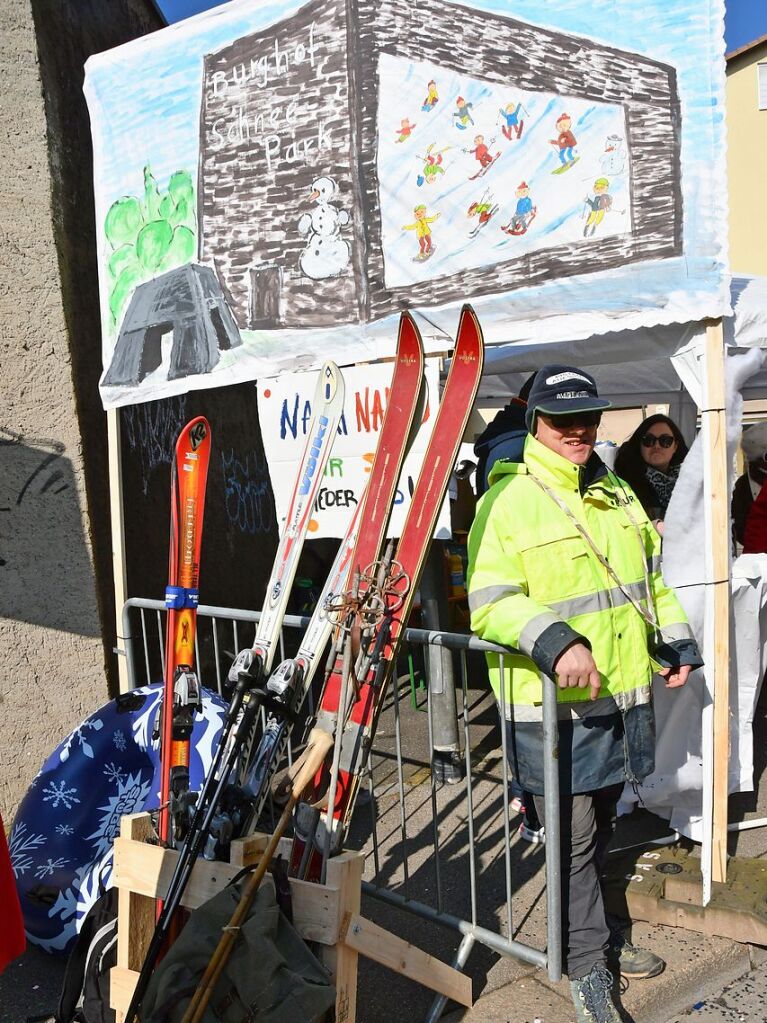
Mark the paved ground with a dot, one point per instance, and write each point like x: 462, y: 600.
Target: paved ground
x: 706, y: 979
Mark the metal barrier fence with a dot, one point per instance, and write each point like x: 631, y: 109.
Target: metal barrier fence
x: 442, y: 853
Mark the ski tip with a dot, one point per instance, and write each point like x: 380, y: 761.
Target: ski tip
x: 194, y: 434
x: 468, y: 320
x: 409, y: 336
x: 469, y: 339
x: 406, y: 317
x: 331, y: 382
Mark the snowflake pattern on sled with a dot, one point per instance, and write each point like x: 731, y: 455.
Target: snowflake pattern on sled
x: 62, y: 839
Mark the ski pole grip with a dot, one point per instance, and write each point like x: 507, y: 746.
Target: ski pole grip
x: 311, y: 760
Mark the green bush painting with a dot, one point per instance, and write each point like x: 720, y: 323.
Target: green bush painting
x: 149, y: 235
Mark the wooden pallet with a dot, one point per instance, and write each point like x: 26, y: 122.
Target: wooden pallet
x: 665, y: 886
x: 327, y: 914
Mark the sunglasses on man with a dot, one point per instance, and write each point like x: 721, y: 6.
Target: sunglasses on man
x: 650, y: 440
x: 577, y: 419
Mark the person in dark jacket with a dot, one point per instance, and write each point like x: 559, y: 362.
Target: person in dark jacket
x: 749, y: 485
x: 503, y: 438
x: 649, y: 461
x: 755, y: 533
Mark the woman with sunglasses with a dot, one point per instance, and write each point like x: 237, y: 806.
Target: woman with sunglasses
x: 649, y: 461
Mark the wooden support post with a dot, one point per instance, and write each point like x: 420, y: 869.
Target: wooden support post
x: 718, y: 657
x: 400, y: 956
x: 119, y: 568
x: 135, y: 924
x: 345, y: 873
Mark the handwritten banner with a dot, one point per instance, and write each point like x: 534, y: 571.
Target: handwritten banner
x: 309, y: 169
x: 285, y: 412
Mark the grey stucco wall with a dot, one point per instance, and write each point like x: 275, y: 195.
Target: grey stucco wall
x: 56, y: 614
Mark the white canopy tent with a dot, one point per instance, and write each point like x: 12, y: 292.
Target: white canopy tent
x: 640, y: 367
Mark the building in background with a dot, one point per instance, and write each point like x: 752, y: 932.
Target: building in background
x: 746, y: 94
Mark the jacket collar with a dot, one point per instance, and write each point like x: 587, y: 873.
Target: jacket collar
x: 560, y: 471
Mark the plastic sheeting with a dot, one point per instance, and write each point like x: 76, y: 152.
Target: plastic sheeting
x: 675, y: 789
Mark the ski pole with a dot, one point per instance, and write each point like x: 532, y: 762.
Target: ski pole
x: 303, y: 772
x: 339, y: 735
x: 192, y: 846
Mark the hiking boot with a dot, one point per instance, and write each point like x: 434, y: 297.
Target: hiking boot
x: 536, y: 836
x: 593, y: 997
x: 631, y: 962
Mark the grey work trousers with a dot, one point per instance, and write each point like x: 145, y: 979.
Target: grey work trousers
x: 587, y: 822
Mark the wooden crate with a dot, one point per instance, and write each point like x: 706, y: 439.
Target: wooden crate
x: 328, y: 914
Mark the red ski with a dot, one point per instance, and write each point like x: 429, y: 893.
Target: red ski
x: 483, y: 170
x: 379, y: 606
x: 181, y: 696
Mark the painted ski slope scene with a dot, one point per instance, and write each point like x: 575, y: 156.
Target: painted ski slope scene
x: 275, y: 182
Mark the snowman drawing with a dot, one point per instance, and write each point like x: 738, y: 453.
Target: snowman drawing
x: 326, y: 253
x: 613, y: 160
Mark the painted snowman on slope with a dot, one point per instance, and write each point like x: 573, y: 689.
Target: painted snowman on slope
x: 326, y: 253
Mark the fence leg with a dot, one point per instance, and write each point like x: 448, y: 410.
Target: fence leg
x: 446, y: 753
x: 459, y: 961
x: 553, y: 857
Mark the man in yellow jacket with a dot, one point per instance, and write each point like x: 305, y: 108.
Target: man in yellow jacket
x: 564, y: 566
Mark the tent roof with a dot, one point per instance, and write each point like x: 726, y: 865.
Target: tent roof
x: 632, y: 367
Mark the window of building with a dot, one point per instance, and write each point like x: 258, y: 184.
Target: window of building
x: 762, y: 72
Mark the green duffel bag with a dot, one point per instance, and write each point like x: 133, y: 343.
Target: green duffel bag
x: 271, y: 975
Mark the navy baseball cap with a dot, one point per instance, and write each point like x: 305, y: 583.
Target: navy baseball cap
x: 562, y: 390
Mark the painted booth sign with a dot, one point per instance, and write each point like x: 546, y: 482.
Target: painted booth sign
x: 274, y: 182
x: 285, y: 414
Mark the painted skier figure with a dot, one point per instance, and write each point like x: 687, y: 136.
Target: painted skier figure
x: 481, y: 151
x: 565, y: 140
x: 524, y: 212
x: 422, y: 228
x: 484, y: 210
x: 405, y: 130
x: 432, y: 165
x: 461, y: 115
x: 432, y: 97
x: 510, y: 115
x: 598, y: 206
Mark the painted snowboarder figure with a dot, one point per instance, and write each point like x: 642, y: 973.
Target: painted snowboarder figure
x: 512, y: 123
x: 613, y: 160
x: 405, y: 130
x: 524, y: 214
x: 601, y: 203
x: 565, y: 141
x: 432, y: 97
x: 432, y: 165
x: 326, y: 253
x: 484, y: 210
x: 422, y: 228
x: 461, y: 115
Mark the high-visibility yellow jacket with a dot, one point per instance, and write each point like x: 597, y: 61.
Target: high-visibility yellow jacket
x: 536, y: 584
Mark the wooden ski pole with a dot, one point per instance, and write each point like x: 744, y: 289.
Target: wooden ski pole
x: 303, y: 772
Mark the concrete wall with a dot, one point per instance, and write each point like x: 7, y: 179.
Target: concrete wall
x: 55, y: 572
x: 746, y: 134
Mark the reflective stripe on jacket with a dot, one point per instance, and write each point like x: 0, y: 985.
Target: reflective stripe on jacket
x: 536, y: 584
